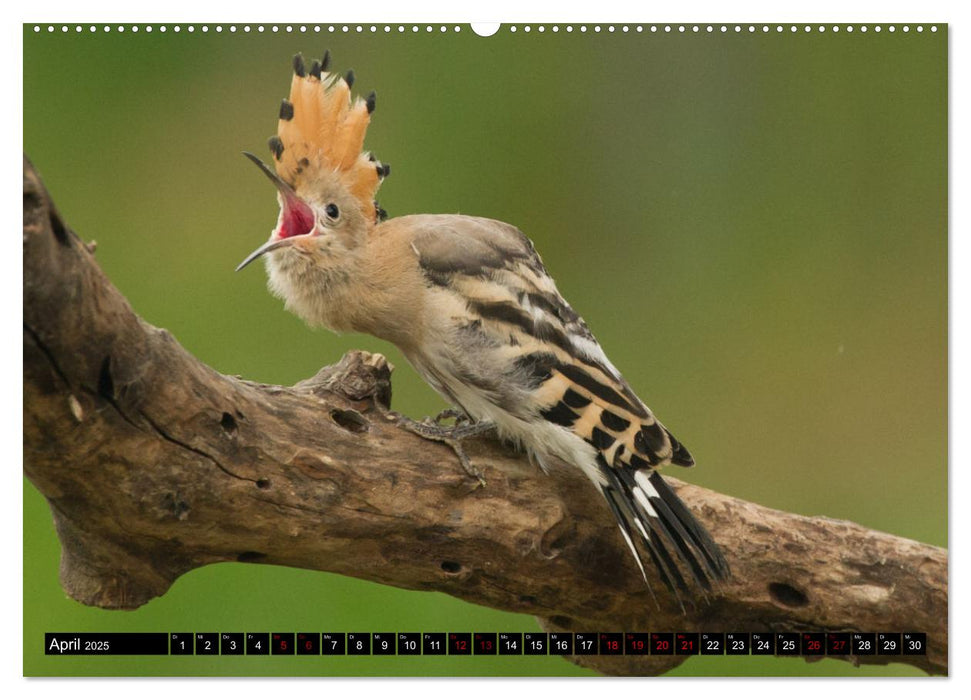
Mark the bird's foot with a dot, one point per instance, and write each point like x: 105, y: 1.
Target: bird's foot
x: 459, y: 417
x: 451, y: 435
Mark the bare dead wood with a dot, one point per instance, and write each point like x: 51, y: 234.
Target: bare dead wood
x: 154, y: 464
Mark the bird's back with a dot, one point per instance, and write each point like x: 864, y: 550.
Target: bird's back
x: 496, y: 326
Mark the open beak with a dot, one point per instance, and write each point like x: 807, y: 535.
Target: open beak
x: 290, y: 199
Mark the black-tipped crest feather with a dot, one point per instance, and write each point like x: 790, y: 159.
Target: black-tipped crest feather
x: 298, y: 66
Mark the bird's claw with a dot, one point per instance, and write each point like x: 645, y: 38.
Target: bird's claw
x: 451, y: 435
x: 454, y: 414
x: 467, y: 465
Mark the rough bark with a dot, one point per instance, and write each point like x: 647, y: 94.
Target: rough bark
x: 155, y: 464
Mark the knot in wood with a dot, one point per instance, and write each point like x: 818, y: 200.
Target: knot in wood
x: 359, y: 376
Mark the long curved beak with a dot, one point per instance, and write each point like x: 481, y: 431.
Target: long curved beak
x: 287, y: 192
x: 263, y: 250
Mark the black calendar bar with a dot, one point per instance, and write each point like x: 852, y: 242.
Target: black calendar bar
x: 459, y: 643
x: 181, y: 643
x: 409, y: 644
x: 207, y: 643
x: 232, y: 643
x: 383, y: 643
x: 813, y: 644
x: 838, y: 644
x: 561, y: 643
x: 283, y: 643
x: 586, y: 644
x: 359, y: 643
x: 485, y: 643
x: 763, y: 644
x: 308, y: 643
x: 511, y: 643
x: 433, y: 644
x: 787, y: 644
x: 536, y: 643
x: 257, y: 643
x: 738, y: 643
x: 915, y: 643
x: 612, y: 643
x: 687, y: 643
x: 888, y: 643
x: 333, y: 643
x: 107, y: 643
x: 712, y: 643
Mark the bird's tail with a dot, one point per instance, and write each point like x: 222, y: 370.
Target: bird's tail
x: 651, y: 515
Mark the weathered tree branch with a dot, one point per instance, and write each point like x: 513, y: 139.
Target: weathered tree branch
x: 154, y: 464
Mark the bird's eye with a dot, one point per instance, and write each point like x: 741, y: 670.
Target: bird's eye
x: 332, y: 212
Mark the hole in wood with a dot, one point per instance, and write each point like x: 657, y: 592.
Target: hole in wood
x: 557, y: 537
x: 452, y: 567
x: 106, y: 385
x: 787, y: 595
x: 175, y: 503
x: 263, y: 483
x: 228, y: 423
x: 350, y: 420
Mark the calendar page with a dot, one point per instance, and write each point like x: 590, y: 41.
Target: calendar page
x: 503, y: 285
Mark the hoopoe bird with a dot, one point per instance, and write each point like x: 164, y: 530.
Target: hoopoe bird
x: 469, y: 303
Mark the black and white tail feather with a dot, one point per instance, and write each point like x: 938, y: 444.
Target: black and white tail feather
x: 650, y: 513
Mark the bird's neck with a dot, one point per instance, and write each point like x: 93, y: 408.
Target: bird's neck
x: 320, y: 290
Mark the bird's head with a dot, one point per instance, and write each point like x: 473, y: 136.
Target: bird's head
x: 325, y: 183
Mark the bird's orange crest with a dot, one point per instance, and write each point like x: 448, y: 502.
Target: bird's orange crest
x: 322, y: 129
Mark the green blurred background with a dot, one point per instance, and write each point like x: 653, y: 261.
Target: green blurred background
x: 754, y: 225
